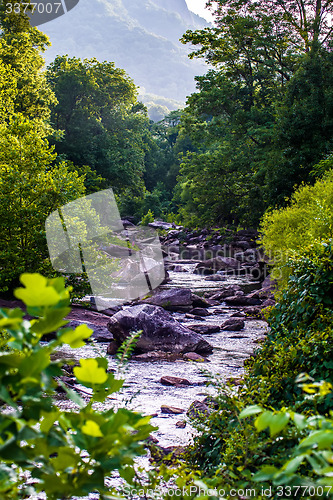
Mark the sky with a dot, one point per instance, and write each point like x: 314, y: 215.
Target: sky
x: 198, y: 6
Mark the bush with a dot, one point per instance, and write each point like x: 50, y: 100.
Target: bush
x: 148, y: 218
x: 301, y: 336
x: 300, y: 339
x: 64, y: 453
x: 308, y: 219
x: 307, y: 472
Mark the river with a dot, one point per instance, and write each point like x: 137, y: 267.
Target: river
x: 143, y: 391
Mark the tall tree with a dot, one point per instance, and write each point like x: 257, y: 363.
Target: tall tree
x: 30, y: 186
x: 21, y: 47
x: 102, y: 121
x: 253, y: 110
x: 30, y: 189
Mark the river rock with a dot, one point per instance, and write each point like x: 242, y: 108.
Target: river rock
x: 112, y: 348
x: 204, y: 329
x: 159, y: 224
x: 156, y: 356
x: 216, y: 264
x: 199, y: 301
x: 268, y: 303
x: 227, y: 291
x: 175, y: 381
x: 254, y: 312
x: 193, y: 316
x: 179, y: 269
x: 172, y: 299
x: 200, y: 311
x: 171, y: 410
x: 269, y: 282
x: 268, y: 288
x: 215, y: 277
x: 181, y: 424
x: 198, y: 409
x: 160, y: 331
x: 241, y: 300
x: 193, y: 356
x: 116, y: 251
x: 233, y: 325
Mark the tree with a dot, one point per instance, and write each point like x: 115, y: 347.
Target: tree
x: 30, y: 189
x: 31, y: 185
x: 20, y: 52
x: 102, y: 121
x: 304, y: 126
x: 268, y: 98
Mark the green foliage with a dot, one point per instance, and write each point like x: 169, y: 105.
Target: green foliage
x: 30, y: 189
x: 65, y: 453
x: 20, y: 48
x: 307, y: 220
x: 146, y: 219
x: 262, y: 117
x: 213, y: 191
x: 310, y: 463
x: 290, y: 447
x: 103, y: 124
x: 304, y: 126
x: 300, y: 337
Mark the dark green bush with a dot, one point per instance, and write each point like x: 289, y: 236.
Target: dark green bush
x: 300, y: 340
x: 301, y: 336
x: 64, y: 453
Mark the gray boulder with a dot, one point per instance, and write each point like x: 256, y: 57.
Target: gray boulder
x: 217, y: 264
x: 160, y: 331
x: 173, y: 299
x: 233, y: 325
x: 241, y: 300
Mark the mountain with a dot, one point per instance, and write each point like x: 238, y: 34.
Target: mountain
x: 140, y: 36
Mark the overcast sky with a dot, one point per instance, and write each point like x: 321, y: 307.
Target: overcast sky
x: 198, y: 6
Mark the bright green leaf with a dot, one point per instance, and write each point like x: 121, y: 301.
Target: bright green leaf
x: 90, y: 373
x: 75, y: 337
x: 37, y: 292
x: 92, y: 429
x: 250, y: 410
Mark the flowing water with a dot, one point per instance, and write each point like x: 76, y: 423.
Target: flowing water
x: 143, y: 391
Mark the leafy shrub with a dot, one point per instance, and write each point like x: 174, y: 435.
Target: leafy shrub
x: 308, y: 470
x: 301, y: 336
x: 146, y: 219
x: 300, y: 339
x: 65, y: 453
x: 308, y: 219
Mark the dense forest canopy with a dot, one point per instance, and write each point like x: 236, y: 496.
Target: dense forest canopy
x: 260, y: 120
x: 70, y: 130
x: 263, y: 116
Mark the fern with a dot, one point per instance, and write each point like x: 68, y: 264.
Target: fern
x: 126, y: 349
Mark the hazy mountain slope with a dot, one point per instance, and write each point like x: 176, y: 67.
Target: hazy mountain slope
x: 140, y: 36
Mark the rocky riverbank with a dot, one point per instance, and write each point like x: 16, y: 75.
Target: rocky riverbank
x: 207, y: 315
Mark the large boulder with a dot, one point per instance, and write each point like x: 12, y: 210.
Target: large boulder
x: 160, y: 331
